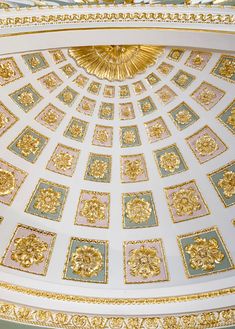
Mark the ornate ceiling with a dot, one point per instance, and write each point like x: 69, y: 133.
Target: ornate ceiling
x: 113, y: 191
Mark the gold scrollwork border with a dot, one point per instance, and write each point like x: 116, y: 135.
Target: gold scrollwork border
x: 36, y: 316
x: 117, y: 301
x: 102, y: 17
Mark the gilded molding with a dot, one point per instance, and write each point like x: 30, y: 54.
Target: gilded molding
x: 117, y: 301
x: 154, y: 17
x: 43, y: 317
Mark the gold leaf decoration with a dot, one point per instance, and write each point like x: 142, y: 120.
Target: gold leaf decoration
x: 115, y: 62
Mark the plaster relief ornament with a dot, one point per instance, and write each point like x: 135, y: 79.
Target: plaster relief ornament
x: 63, y: 161
x: 50, y: 117
x: 102, y: 136
x: 206, y: 145
x: 34, y: 61
x: 67, y: 97
x: 93, y: 210
x: 7, y: 182
x: 26, y: 98
x: 133, y: 169
x: 156, y: 130
x: 29, y: 250
x: 129, y: 137
x: 86, y: 261
x: 169, y: 161
x: 138, y: 210
x: 227, y: 68
x: 227, y: 183
x: 231, y: 118
x: 207, y: 96
x: 185, y: 201
x: 98, y: 169
x: 3, y: 120
x: 115, y: 62
x: 204, y: 254
x: 144, y: 262
x: 183, y: 117
x: 28, y: 144
x: 47, y: 200
x: 76, y: 130
x: 198, y: 60
x: 6, y: 71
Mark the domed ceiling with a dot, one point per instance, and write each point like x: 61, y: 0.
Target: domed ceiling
x: 117, y: 185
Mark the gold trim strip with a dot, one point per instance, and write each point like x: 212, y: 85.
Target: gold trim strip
x: 43, y: 317
x: 117, y: 301
x: 154, y: 17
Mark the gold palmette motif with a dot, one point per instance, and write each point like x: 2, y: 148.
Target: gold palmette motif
x: 202, y: 320
x: 185, y: 201
x: 206, y: 145
x: 93, y: 210
x: 169, y: 161
x: 227, y: 183
x: 138, y: 210
x: 63, y: 161
x: 183, y: 117
x: 7, y: 182
x: 144, y: 262
x: 47, y: 200
x: 29, y: 250
x: 86, y: 261
x: 204, y: 254
x: 115, y: 62
x: 133, y: 169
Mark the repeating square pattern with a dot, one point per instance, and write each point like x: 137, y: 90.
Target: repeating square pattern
x: 94, y: 88
x: 81, y: 81
x: 50, y: 81
x: 63, y: 160
x: 198, y: 59
x: 47, y: 200
x: 165, y: 94
x: 76, y: 129
x: 153, y: 270
x: 133, y: 168
x: 138, y: 87
x: 126, y: 111
x: 7, y: 119
x: 35, y: 61
x: 183, y: 116
x: 68, y: 70
x: 165, y: 68
x: 86, y: 106
x: 205, y: 144
x: 169, y: 161
x: 129, y: 136
x: 223, y: 181
x: 106, y: 111
x: 185, y: 202
x: 93, y: 209
x: 138, y: 210
x: 29, y: 250
x: 225, y: 68
x: 87, y: 261
x: 204, y: 253
x: 67, y: 96
x: 57, y: 55
x: 227, y: 117
x: 175, y: 54
x: 157, y: 130
x: 26, y: 97
x: 109, y: 91
x: 152, y: 79
x: 124, y: 91
x: 183, y: 79
x: 50, y: 117
x: 147, y: 105
x: 9, y: 71
x: 207, y: 95
x: 29, y: 144
x: 99, y: 168
x: 103, y: 136
x: 11, y: 179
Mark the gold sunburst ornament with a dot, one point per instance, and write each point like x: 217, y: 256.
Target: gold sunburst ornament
x: 115, y: 62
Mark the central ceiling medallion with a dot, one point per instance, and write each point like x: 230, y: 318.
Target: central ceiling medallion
x: 115, y: 62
